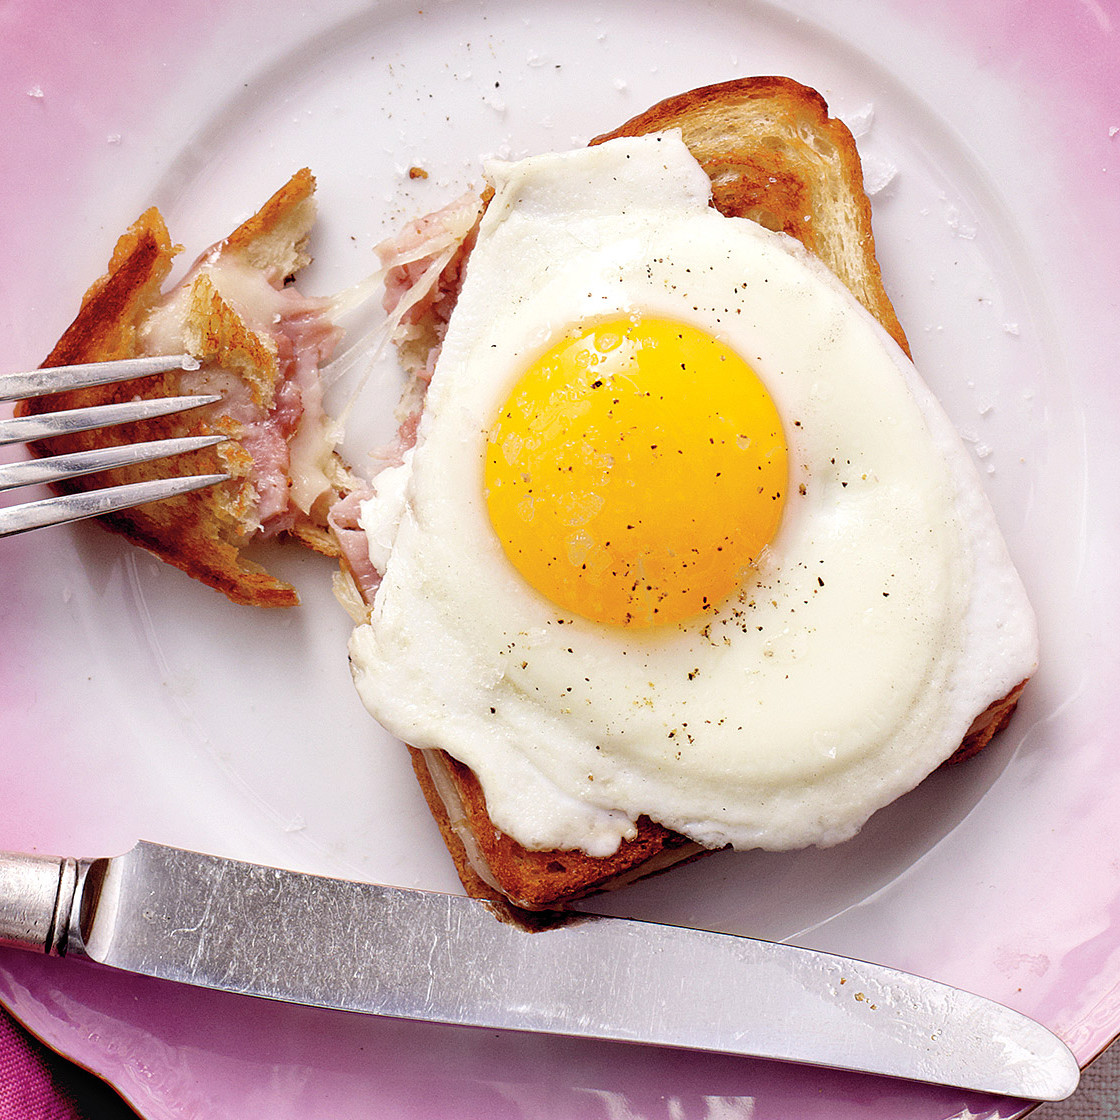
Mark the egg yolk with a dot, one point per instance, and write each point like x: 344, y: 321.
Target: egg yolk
x: 636, y: 472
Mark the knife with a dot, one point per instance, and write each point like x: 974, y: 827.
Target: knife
x: 261, y: 931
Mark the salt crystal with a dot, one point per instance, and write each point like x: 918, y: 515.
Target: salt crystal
x: 958, y: 225
x: 859, y: 123
x: 878, y: 174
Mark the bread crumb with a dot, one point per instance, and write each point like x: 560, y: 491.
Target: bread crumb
x: 957, y: 223
x: 417, y: 173
x: 495, y: 102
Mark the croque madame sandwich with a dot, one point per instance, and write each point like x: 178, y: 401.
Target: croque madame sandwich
x: 675, y: 551
x: 256, y: 341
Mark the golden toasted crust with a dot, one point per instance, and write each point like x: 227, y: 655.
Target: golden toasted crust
x: 542, y: 880
x: 535, y: 881
x: 775, y: 156
x: 274, y: 239
x: 202, y: 533
x: 987, y: 725
x: 531, y: 880
x: 112, y: 308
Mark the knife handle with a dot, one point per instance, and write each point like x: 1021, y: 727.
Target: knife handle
x: 36, y: 898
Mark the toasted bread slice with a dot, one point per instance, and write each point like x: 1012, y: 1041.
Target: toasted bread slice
x: 775, y: 156
x: 259, y: 344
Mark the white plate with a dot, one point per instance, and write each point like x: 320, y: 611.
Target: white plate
x: 138, y: 704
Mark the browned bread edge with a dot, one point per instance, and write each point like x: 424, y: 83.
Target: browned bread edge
x: 202, y: 534
x: 775, y: 156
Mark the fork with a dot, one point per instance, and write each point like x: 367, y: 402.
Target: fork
x: 73, y: 507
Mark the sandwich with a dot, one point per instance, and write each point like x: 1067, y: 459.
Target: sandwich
x: 813, y: 621
x: 673, y: 550
x: 253, y: 338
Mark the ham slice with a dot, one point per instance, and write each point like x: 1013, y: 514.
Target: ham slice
x: 422, y: 269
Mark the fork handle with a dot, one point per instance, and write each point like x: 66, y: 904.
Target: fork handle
x: 36, y: 899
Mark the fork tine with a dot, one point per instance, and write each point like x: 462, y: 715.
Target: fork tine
x: 59, y: 379
x: 20, y: 429
x: 34, y: 471
x: 93, y: 503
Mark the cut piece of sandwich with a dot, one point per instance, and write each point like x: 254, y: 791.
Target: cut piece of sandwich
x: 260, y: 344
x: 775, y: 156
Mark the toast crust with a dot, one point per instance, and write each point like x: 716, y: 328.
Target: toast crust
x: 202, y: 533
x: 774, y: 156
x: 530, y: 880
x: 275, y: 238
x: 105, y: 327
x: 516, y: 879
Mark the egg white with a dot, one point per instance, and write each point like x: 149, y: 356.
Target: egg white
x: 885, y: 614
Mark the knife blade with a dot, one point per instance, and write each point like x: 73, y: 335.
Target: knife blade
x: 365, y: 947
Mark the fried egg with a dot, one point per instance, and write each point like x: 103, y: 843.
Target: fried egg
x: 683, y: 534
